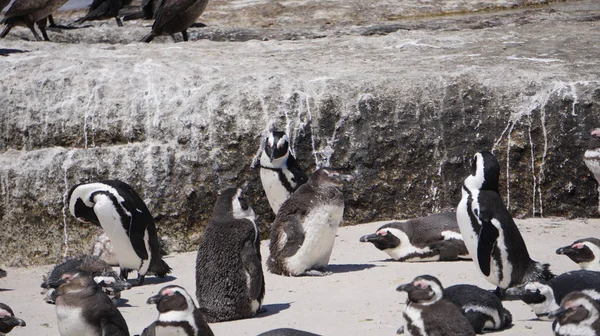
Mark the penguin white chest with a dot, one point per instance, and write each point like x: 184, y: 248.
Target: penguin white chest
x: 470, y: 237
x: 413, y: 316
x: 72, y: 323
x: 170, y: 331
x: 274, y: 189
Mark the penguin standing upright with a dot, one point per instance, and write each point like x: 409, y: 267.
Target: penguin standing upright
x: 229, y: 276
x: 8, y: 320
x: 280, y: 173
x: 489, y: 231
x: 126, y: 220
x: 304, y: 230
x: 578, y: 315
x: 177, y: 314
x: 585, y: 252
x: 591, y: 158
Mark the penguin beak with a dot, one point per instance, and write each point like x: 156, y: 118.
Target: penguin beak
x: 368, y: 238
x: 565, y: 250
x: 154, y: 299
x: 55, y: 284
x: 516, y: 291
x: 559, y: 312
x: 409, y: 287
x: 15, y: 322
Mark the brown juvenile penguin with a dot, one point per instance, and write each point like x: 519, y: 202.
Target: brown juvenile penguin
x: 29, y: 12
x: 174, y: 16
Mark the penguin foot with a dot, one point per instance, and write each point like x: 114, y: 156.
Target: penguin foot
x: 140, y: 280
x: 316, y: 273
x: 400, y: 331
x: 261, y: 310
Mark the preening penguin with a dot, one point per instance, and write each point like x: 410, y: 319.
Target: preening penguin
x: 592, y: 157
x: 304, y: 230
x: 578, y: 315
x: 280, y: 173
x: 489, y: 231
x: 585, y: 252
x: 126, y: 220
x: 229, y: 276
x: 8, y: 320
x: 430, y: 238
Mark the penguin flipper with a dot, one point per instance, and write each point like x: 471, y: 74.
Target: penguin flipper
x: 487, y: 242
x: 293, y: 167
x: 252, y: 264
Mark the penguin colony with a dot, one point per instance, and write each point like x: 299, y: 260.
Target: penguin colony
x: 230, y: 282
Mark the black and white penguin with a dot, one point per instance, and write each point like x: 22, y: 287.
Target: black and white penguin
x: 585, y: 252
x: 591, y: 157
x: 303, y: 233
x: 280, y: 173
x: 430, y: 238
x: 578, y: 315
x: 427, y: 312
x: 482, y: 308
x: 287, y: 332
x: 126, y: 220
x: 177, y: 314
x: 103, y: 274
x: 489, y: 231
x: 229, y: 277
x: 83, y: 309
x: 8, y: 320
x: 544, y: 297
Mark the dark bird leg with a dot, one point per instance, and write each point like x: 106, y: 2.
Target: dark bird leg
x: 185, y: 35
x: 119, y: 22
x: 124, y: 273
x: 6, y: 30
x: 140, y: 280
x: 32, y: 28
x: 147, y: 38
x: 51, y: 21
x: 42, y: 26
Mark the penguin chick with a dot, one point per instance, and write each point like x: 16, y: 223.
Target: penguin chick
x: 577, y: 316
x: 430, y: 238
x: 8, y: 320
x: 591, y: 158
x: 229, y: 277
x: 585, y: 252
x: 304, y: 230
x: 29, y: 12
x: 174, y: 16
x: 544, y: 297
x: 126, y: 220
x: 280, y: 174
x: 83, y: 309
x: 287, y: 332
x: 177, y: 314
x: 490, y: 233
x: 103, y: 10
x: 482, y: 308
x: 428, y: 313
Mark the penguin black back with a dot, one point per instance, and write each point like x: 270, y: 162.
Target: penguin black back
x: 8, y: 320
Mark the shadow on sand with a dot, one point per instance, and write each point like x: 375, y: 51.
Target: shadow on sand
x: 346, y: 268
x: 272, y: 309
x: 6, y: 52
x: 153, y: 280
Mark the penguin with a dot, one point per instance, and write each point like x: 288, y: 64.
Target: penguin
x: 430, y: 238
x: 280, y: 173
x: 427, y: 312
x: 303, y: 233
x: 585, y: 252
x: 8, y: 320
x: 578, y: 315
x: 482, y: 308
x: 230, y: 284
x: 174, y: 16
x: 29, y: 12
x: 126, y: 220
x: 287, y: 332
x: 591, y: 157
x: 103, y: 274
x: 83, y: 309
x: 544, y: 297
x: 177, y: 314
x: 490, y: 233
x: 103, y: 10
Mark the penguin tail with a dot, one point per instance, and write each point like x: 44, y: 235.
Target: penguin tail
x: 160, y: 267
x: 544, y: 271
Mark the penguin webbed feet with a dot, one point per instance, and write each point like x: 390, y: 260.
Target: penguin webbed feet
x: 316, y: 273
x: 140, y: 280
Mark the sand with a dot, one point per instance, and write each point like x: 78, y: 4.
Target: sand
x: 359, y: 298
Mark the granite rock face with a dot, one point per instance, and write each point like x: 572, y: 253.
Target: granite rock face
x: 402, y: 105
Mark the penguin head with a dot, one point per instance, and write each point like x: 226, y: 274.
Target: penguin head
x: 424, y: 289
x: 582, y: 251
x: 79, y: 204
x: 538, y: 295
x: 576, y: 308
x: 277, y: 146
x: 327, y: 177
x: 485, y: 172
x: 383, y: 239
x: 173, y: 299
x: 72, y: 281
x: 232, y: 203
x: 8, y: 320
x: 594, y: 141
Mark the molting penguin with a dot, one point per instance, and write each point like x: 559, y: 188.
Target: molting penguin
x: 428, y: 313
x: 578, y: 315
x: 287, y: 332
x: 430, y: 238
x: 304, y: 230
x: 489, y: 231
x: 126, y: 220
x: 29, y: 12
x: 83, y: 309
x: 177, y: 314
x: 592, y: 157
x: 103, y: 10
x: 280, y: 174
x: 544, y: 297
x: 8, y: 320
x: 482, y: 308
x: 174, y: 16
x: 229, y: 278
x: 585, y: 252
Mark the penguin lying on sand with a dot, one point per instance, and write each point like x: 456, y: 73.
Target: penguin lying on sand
x: 592, y: 157
x: 544, y: 297
x: 430, y: 238
x: 286, y: 332
x: 8, y: 320
x: 427, y: 312
x: 585, y: 252
x: 177, y: 314
x: 126, y: 220
x: 578, y: 315
x: 490, y: 233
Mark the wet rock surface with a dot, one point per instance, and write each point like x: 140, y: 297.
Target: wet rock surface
x: 400, y: 101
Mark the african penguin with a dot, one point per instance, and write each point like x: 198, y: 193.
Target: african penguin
x: 28, y: 13
x: 482, y: 308
x: 126, y: 220
x: 591, y: 157
x: 585, y: 252
x: 8, y: 320
x: 427, y: 312
x: 83, y: 309
x: 175, y: 16
x: 103, y: 274
x: 103, y: 10
x: 287, y: 332
x: 489, y: 231
x: 229, y: 277
x: 303, y: 233
x: 280, y: 174
x: 430, y: 238
x: 177, y: 314
x: 578, y: 315
x: 544, y: 297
